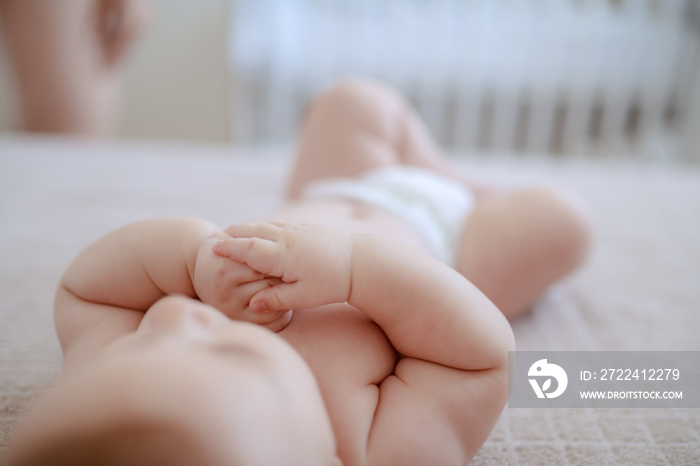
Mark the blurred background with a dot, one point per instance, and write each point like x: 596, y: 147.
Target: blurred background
x: 564, y: 78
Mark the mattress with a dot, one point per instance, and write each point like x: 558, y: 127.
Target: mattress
x: 638, y: 290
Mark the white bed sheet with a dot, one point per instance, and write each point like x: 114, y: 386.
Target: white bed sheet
x: 638, y: 291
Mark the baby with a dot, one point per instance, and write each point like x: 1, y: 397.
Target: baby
x: 368, y: 348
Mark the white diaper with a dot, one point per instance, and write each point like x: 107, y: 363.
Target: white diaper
x: 434, y: 204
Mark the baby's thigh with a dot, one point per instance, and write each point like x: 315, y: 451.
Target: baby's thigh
x: 515, y: 246
x: 352, y: 127
x: 355, y: 107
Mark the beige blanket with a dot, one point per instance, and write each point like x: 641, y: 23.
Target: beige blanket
x: 640, y: 290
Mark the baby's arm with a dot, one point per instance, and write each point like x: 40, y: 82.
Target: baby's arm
x: 108, y: 287
x: 449, y: 389
x: 410, y: 295
x: 135, y: 265
x: 446, y: 395
x: 104, y: 293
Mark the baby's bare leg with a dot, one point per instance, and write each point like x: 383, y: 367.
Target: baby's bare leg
x: 514, y: 244
x: 358, y: 125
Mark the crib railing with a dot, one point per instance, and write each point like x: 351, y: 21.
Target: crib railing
x: 558, y: 77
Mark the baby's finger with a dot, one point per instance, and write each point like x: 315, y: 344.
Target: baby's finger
x: 238, y: 273
x: 278, y: 223
x: 259, y: 254
x: 280, y: 297
x: 243, y: 230
x: 245, y: 292
x: 269, y: 231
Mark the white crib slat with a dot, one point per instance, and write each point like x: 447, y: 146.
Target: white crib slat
x: 438, y: 74
x: 616, y: 104
x: 579, y: 104
x: 453, y: 53
x: 470, y: 88
x: 690, y: 135
x: 543, y: 76
x: 665, y: 36
x: 428, y: 78
x: 623, y: 79
x: 420, y: 43
x: 684, y: 70
x: 650, y: 81
x: 541, y: 122
x: 508, y: 86
x: 583, y: 77
x: 469, y: 65
x: 503, y: 123
x: 688, y: 97
x: 396, y: 64
x: 467, y: 115
x: 364, y: 36
x: 279, y: 104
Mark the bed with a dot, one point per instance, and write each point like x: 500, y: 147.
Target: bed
x: 638, y: 291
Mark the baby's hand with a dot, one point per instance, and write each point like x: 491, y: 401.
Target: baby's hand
x: 229, y: 286
x: 312, y: 263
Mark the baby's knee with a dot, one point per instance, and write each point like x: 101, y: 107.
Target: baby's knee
x: 360, y: 89
x: 566, y: 223
x: 360, y: 102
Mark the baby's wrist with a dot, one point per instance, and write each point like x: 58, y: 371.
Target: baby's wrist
x: 201, y: 249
